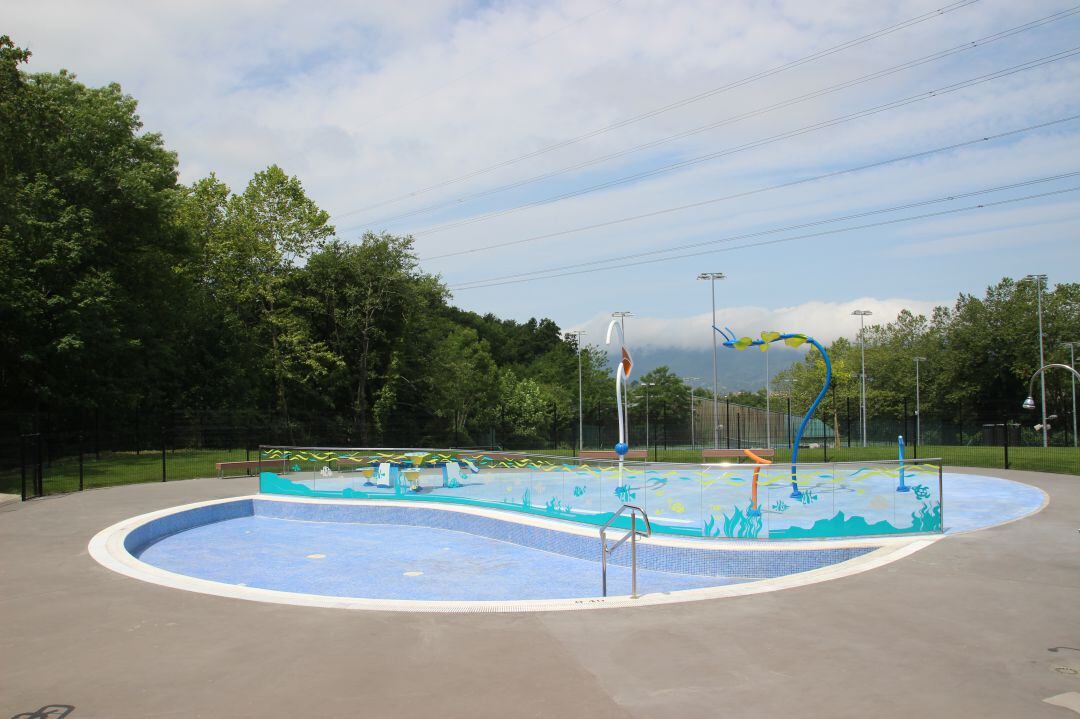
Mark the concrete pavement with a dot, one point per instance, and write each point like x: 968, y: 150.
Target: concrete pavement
x: 985, y: 624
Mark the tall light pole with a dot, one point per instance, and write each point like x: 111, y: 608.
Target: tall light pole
x: 713, y: 277
x: 1039, y: 279
x: 918, y: 413
x: 1072, y: 363
x: 577, y: 335
x: 862, y: 315
x: 691, y: 381
x: 768, y: 407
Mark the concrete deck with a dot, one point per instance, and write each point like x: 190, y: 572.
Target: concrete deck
x: 983, y: 624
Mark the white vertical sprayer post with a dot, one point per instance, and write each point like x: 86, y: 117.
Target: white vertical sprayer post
x: 622, y: 374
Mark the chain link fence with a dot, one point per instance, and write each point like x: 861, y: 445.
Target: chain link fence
x: 111, y: 450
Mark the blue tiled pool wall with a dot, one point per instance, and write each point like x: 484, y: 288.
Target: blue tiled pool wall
x: 716, y: 562
x: 144, y: 535
x: 710, y: 501
x: 682, y: 560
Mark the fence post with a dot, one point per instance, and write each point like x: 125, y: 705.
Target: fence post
x: 960, y: 419
x: 39, y: 471
x: 789, y: 440
x: 80, y: 441
x: 905, y: 432
x: 22, y: 464
x: 162, y: 453
x: 554, y: 426
x: 825, y: 435
x: 727, y: 421
x: 1006, y: 442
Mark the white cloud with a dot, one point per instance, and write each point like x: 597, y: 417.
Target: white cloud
x: 369, y: 101
x: 825, y: 321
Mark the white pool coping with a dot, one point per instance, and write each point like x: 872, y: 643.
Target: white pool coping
x: 107, y: 548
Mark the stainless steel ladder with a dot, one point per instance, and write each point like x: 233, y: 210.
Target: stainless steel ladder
x: 632, y: 535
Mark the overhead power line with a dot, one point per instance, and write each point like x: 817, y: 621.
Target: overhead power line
x: 1065, y: 54
x: 614, y: 264
x: 788, y: 228
x: 950, y: 7
x: 933, y: 57
x: 769, y: 188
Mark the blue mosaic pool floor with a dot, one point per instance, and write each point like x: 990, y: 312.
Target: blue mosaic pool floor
x: 973, y: 501
x: 391, y: 562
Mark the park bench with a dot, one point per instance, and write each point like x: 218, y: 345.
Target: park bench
x: 278, y: 465
x: 633, y: 454
x: 737, y: 454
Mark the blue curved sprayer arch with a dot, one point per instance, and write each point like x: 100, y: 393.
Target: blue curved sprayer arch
x: 792, y: 340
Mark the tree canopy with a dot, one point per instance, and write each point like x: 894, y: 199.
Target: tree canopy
x: 124, y: 291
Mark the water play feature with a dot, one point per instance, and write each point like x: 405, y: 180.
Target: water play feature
x: 748, y: 501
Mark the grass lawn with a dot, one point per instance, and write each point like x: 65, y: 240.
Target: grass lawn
x: 113, y: 468
x: 1063, y: 460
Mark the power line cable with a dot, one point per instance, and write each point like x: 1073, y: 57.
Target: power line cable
x: 940, y: 213
x: 964, y: 47
x: 769, y: 188
x: 1063, y: 55
x: 788, y: 228
x: 951, y: 7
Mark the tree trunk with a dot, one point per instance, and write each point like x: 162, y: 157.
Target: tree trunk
x: 279, y: 374
x: 360, y: 406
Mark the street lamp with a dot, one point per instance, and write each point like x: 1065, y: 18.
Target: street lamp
x: 1029, y: 403
x: 1072, y: 363
x: 713, y: 277
x: 862, y: 315
x: 691, y: 381
x: 1040, y: 279
x: 768, y: 406
x: 918, y: 413
x: 577, y: 335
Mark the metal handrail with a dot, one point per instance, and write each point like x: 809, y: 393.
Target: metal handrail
x: 632, y: 536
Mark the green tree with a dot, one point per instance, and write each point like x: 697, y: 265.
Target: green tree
x: 667, y: 401
x: 463, y: 379
x: 369, y: 301
x: 87, y: 251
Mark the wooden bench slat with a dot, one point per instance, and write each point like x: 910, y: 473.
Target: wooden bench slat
x: 735, y: 453
x: 250, y: 464
x: 608, y: 454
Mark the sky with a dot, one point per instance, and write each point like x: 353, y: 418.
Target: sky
x: 436, y: 118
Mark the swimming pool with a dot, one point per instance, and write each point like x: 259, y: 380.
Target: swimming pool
x: 403, y: 555
x: 395, y: 555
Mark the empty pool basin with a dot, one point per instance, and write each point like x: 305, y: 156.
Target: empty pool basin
x: 399, y: 555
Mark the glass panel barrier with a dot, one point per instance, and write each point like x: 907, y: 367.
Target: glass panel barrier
x: 741, y: 501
